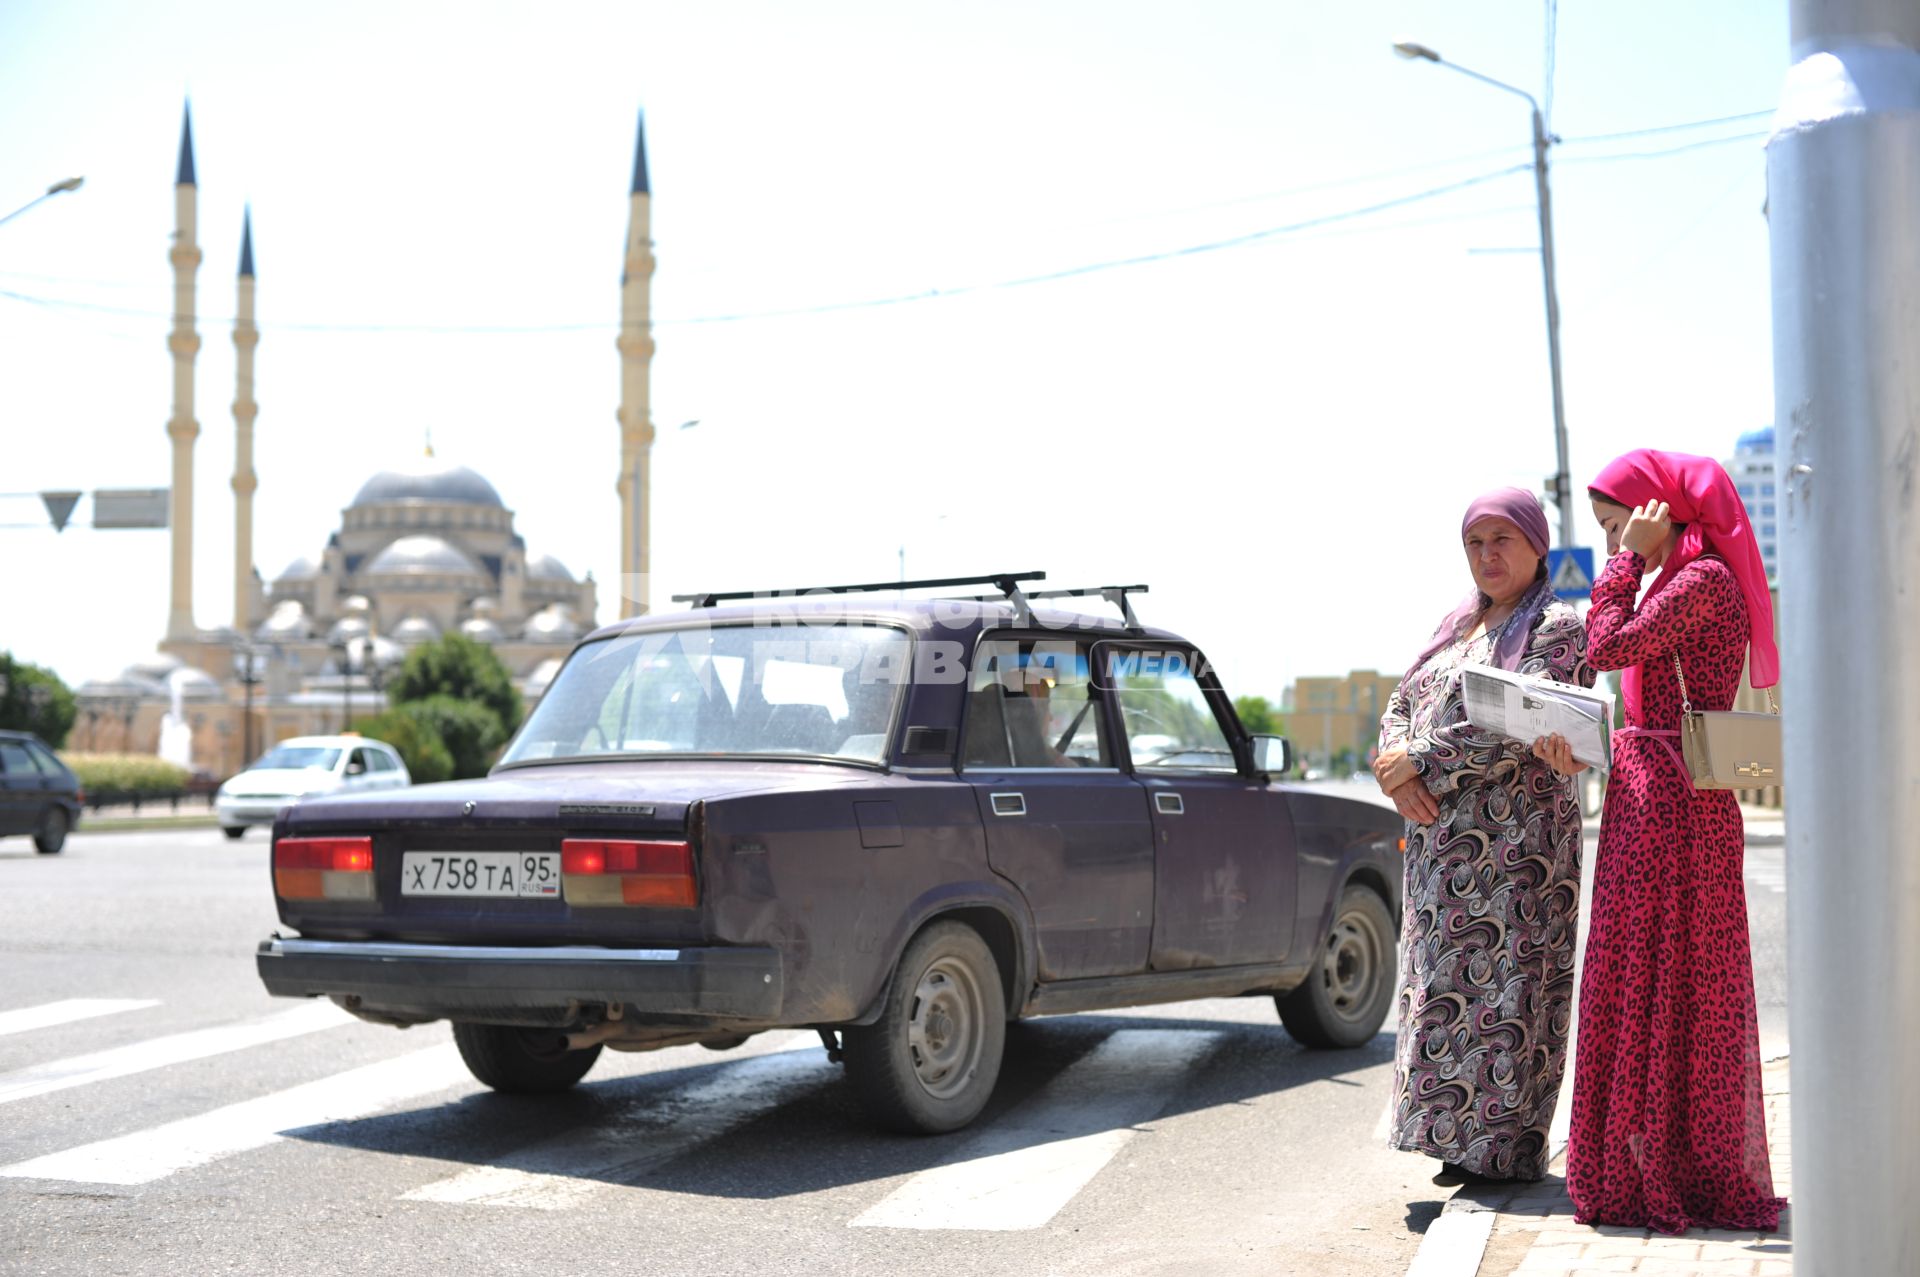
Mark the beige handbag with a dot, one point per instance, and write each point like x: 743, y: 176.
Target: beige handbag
x: 1729, y: 749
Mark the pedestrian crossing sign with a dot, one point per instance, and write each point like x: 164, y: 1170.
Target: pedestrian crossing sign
x: 1571, y: 571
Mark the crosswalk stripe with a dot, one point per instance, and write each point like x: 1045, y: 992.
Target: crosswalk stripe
x: 557, y: 1173
x: 48, y: 1014
x: 1030, y: 1164
x: 139, y: 1057
x: 159, y: 1151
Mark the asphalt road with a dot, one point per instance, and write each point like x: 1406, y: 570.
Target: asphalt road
x: 160, y: 1114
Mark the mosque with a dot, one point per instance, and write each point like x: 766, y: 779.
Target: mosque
x: 423, y: 550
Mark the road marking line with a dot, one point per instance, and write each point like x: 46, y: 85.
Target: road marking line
x: 139, y: 1057
x: 160, y: 1151
x: 49, y: 1014
x: 557, y: 1173
x: 1020, y: 1173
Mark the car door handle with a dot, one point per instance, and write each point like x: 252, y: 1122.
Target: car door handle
x: 1009, y: 804
x: 1170, y: 804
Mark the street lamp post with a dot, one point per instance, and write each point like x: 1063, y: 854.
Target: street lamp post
x: 1562, y: 478
x: 66, y: 184
x: 246, y: 668
x: 343, y: 655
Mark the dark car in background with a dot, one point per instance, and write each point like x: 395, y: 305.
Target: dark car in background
x: 39, y: 795
x: 901, y: 824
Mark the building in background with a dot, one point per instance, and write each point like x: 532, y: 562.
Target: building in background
x: 423, y: 550
x: 1752, y: 471
x: 1334, y: 723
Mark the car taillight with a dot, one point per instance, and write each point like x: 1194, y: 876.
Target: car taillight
x: 323, y: 868
x: 600, y: 871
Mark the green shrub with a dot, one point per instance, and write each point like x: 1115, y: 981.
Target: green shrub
x: 125, y: 778
x: 414, y: 736
x: 464, y: 669
x: 33, y: 699
x: 471, y: 732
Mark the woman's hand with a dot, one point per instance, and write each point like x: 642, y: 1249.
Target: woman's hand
x: 1393, y: 768
x: 1557, y: 754
x: 1646, y: 529
x: 1414, y: 803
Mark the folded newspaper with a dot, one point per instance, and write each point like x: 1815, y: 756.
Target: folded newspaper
x: 1527, y: 708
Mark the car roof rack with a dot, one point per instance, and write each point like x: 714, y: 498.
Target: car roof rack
x: 1114, y: 594
x: 1008, y: 583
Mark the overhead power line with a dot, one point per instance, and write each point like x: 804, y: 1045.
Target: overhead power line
x: 1671, y: 150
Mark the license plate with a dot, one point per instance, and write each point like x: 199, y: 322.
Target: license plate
x: 480, y: 873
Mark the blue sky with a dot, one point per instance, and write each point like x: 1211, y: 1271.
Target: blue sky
x: 1279, y: 437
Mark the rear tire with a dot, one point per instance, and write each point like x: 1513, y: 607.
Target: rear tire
x: 52, y: 834
x: 234, y: 833
x: 1346, y: 996
x: 929, y: 1063
x: 522, y: 1061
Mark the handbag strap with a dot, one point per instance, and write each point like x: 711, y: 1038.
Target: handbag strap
x: 1686, y: 705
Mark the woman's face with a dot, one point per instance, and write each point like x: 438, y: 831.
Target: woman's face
x: 1613, y: 521
x: 1503, y: 564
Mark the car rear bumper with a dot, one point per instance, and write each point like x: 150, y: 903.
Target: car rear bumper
x: 446, y: 980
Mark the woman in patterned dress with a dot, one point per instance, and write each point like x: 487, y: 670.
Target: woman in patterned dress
x: 1492, y: 869
x: 1668, y: 1126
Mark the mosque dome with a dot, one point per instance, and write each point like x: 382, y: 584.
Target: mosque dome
x: 287, y: 621
x: 301, y: 569
x: 428, y: 480
x: 157, y: 668
x: 415, y: 629
x: 421, y: 555
x: 347, y: 629
x: 196, y: 684
x: 551, y: 624
x: 548, y: 568
x: 482, y: 629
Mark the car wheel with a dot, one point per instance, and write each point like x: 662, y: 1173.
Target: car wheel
x: 234, y: 833
x: 52, y: 834
x: 928, y: 1064
x: 1345, y: 998
x: 522, y: 1061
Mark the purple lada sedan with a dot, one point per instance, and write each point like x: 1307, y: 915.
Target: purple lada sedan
x: 899, y: 821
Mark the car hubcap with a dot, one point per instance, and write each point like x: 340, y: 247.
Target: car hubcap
x: 943, y: 1033
x: 1351, y: 964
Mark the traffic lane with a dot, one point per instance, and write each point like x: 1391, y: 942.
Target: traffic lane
x: 168, y: 916
x: 1261, y: 1152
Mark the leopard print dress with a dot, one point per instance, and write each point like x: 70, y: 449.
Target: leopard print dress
x: 1491, y: 916
x: 1668, y: 1128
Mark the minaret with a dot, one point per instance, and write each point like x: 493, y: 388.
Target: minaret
x: 185, y: 344
x: 636, y: 355
x: 245, y: 338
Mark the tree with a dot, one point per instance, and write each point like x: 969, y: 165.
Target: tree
x: 420, y: 746
x: 469, y: 732
x: 463, y: 669
x: 33, y: 699
x: 1258, y: 716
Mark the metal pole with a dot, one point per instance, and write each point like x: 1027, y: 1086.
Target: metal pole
x: 1562, y: 479
x: 1843, y: 195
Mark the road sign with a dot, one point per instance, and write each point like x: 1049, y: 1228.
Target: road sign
x: 60, y: 507
x: 130, y: 507
x: 1571, y: 571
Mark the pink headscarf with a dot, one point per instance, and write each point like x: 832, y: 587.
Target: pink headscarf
x: 1521, y: 508
x: 1698, y: 493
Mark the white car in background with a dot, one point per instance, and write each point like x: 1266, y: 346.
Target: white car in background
x: 305, y: 765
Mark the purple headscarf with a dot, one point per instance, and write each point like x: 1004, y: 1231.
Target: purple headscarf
x: 1522, y: 509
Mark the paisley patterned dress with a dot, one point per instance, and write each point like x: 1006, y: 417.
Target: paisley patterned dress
x: 1492, y: 906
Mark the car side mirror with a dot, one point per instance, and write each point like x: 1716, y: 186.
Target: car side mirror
x: 355, y: 769
x: 1272, y: 754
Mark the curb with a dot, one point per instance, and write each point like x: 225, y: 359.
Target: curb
x: 1455, y: 1243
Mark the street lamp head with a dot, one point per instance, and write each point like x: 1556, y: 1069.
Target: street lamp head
x: 1408, y: 49
x: 68, y: 184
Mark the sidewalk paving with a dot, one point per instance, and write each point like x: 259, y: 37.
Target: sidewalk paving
x: 1534, y: 1234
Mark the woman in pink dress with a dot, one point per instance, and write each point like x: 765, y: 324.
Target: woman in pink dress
x: 1668, y: 1129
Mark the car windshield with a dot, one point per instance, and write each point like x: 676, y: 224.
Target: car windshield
x: 814, y: 690
x: 293, y: 758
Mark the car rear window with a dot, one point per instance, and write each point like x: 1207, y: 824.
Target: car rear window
x: 723, y: 691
